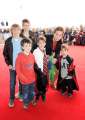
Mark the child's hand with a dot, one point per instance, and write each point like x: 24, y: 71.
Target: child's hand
x: 53, y: 54
x: 54, y: 61
x: 10, y: 67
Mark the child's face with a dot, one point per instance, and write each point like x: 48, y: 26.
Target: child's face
x: 26, y: 26
x: 16, y: 31
x: 64, y: 52
x: 27, y: 48
x: 41, y: 45
x: 58, y: 35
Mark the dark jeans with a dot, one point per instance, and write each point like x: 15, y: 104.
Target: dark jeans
x: 28, y: 93
x: 20, y: 88
x: 67, y: 85
x: 12, y: 84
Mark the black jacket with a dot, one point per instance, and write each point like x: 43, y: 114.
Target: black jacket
x: 71, y: 72
x: 8, y: 51
x: 32, y: 37
x: 49, y: 43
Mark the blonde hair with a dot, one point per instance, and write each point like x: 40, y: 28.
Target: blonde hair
x: 15, y: 26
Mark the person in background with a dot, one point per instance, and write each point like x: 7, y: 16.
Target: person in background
x: 27, y: 33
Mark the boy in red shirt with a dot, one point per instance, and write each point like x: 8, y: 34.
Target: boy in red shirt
x: 25, y: 71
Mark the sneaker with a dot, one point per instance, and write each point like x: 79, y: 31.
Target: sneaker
x: 17, y: 95
x: 63, y: 92
x: 53, y: 87
x: 44, y: 98
x: 20, y: 98
x: 11, y: 103
x: 70, y: 94
x: 25, y: 106
x: 34, y: 102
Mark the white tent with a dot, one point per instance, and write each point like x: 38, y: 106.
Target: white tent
x: 44, y: 13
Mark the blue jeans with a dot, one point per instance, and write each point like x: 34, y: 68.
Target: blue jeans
x: 28, y: 93
x: 12, y: 84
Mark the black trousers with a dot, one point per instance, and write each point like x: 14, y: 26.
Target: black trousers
x: 41, y: 86
x: 40, y: 93
x: 66, y: 85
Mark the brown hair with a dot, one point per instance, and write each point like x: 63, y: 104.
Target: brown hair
x: 25, y: 21
x: 59, y: 29
x: 15, y: 26
x: 28, y: 41
x: 42, y: 38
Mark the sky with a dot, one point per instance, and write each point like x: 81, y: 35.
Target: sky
x: 44, y: 13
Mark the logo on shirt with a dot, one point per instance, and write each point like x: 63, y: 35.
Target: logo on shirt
x: 29, y: 66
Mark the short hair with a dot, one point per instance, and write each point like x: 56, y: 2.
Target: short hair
x: 28, y: 41
x: 64, y: 46
x: 42, y: 38
x: 59, y: 29
x: 15, y: 26
x: 25, y: 21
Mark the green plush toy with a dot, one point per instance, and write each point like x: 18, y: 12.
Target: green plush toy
x: 52, y: 69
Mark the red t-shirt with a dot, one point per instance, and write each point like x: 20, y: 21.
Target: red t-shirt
x: 25, y: 68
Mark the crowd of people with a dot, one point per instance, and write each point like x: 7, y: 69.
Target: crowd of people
x: 73, y: 35
x: 39, y: 60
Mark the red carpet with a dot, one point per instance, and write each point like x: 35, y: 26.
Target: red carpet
x: 57, y: 107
